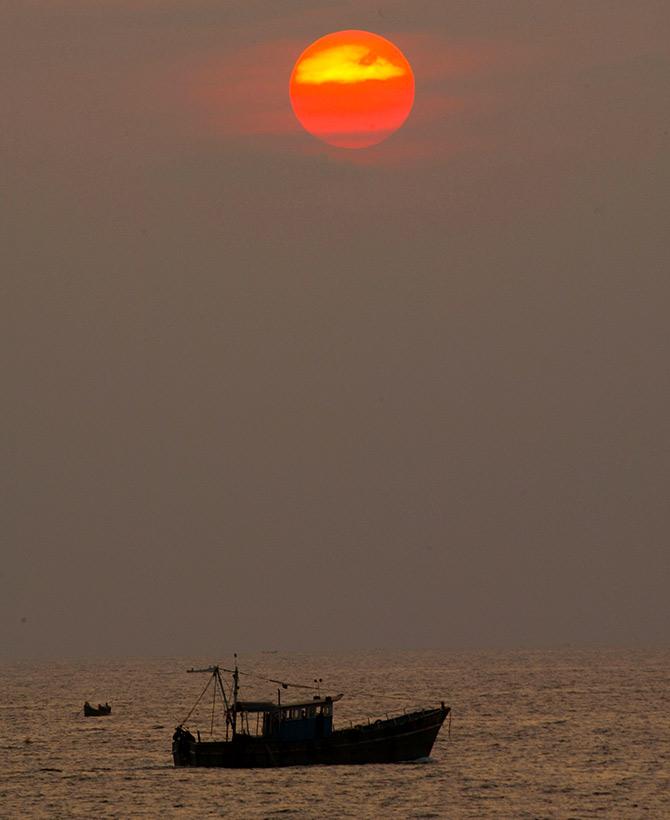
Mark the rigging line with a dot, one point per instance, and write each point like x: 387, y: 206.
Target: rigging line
x: 294, y: 685
x: 311, y: 687
x: 274, y: 680
x: 223, y: 693
x: 197, y: 701
x: 226, y: 706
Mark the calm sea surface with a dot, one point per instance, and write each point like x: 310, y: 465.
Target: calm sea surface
x: 534, y: 734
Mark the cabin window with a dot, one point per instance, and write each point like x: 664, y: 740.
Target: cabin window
x: 309, y: 711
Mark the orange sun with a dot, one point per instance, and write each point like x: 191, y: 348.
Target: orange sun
x: 352, y: 89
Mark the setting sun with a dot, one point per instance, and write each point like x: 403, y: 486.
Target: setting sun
x: 352, y: 89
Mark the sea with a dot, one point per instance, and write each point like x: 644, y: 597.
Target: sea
x: 562, y: 733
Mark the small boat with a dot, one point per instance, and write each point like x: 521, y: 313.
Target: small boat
x: 93, y: 711
x: 262, y: 734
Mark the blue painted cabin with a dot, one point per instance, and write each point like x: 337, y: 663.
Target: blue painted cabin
x: 310, y: 720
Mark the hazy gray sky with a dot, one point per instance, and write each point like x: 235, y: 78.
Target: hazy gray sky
x: 258, y: 393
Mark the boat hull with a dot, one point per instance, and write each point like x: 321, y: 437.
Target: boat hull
x: 405, y: 738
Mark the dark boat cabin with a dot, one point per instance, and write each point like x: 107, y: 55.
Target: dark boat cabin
x: 310, y: 720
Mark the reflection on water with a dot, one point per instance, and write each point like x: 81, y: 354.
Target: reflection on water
x: 535, y: 734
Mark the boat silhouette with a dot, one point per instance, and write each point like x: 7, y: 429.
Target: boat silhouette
x: 93, y: 711
x: 267, y: 734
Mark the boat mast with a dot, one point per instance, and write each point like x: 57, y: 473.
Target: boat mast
x: 211, y: 728
x: 236, y: 688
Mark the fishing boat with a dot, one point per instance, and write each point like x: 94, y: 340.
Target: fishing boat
x: 93, y: 711
x: 262, y: 734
